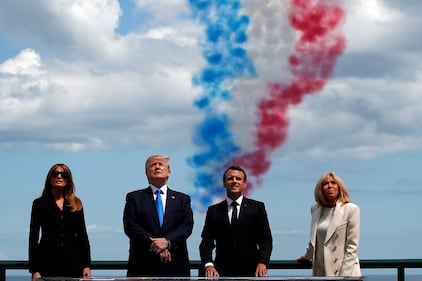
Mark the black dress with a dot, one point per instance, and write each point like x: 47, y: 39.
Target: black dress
x: 63, y: 249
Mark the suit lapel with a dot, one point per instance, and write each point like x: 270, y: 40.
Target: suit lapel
x: 243, y: 208
x: 316, y: 214
x: 170, y: 200
x: 336, y: 220
x: 149, y: 198
x: 222, y: 213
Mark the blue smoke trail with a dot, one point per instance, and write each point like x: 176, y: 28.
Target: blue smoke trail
x: 226, y: 33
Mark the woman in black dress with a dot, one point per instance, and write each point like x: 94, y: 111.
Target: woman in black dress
x: 63, y: 249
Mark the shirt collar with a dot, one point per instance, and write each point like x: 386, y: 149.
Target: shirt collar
x: 238, y: 200
x: 163, y: 188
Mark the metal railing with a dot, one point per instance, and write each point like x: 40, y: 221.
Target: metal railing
x: 399, y: 264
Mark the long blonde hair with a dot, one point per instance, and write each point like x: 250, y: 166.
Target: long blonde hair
x: 71, y: 199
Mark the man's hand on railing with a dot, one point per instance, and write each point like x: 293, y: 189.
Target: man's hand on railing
x: 35, y: 275
x: 210, y: 271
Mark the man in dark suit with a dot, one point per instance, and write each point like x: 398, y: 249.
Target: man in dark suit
x: 239, y: 228
x: 158, y: 248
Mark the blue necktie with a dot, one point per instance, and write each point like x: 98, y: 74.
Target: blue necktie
x: 159, y: 205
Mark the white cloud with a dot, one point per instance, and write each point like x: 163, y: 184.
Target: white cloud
x: 101, y: 87
x: 358, y: 118
x: 83, y: 86
x: 26, y: 62
x: 370, y: 22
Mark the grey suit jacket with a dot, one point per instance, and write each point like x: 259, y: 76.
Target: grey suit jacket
x: 341, y: 241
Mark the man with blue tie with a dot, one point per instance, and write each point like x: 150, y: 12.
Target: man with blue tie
x: 158, y: 222
x: 239, y: 230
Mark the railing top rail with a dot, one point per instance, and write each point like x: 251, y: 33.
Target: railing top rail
x: 274, y: 264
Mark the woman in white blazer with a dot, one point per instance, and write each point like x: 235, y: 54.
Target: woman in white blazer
x: 334, y: 239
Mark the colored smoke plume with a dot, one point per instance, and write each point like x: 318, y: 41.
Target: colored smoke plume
x: 312, y: 62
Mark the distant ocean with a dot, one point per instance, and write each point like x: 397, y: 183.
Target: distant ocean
x: 387, y: 277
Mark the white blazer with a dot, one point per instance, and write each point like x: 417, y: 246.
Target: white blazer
x: 341, y: 241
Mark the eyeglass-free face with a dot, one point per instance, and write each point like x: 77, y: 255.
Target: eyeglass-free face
x: 235, y: 184
x: 330, y: 190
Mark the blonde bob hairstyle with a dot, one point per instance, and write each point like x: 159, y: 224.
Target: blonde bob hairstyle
x: 343, y: 194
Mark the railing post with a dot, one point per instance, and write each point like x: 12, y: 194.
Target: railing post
x: 400, y: 273
x: 2, y: 274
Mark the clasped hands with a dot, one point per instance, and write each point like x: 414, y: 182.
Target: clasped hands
x: 160, y: 246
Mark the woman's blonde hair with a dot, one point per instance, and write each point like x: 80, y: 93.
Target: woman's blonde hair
x: 343, y: 194
x: 71, y: 199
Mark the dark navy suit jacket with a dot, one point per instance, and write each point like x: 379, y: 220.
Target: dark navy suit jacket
x: 239, y: 247
x: 140, y: 221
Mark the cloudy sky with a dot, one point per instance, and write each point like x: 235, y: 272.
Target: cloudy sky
x: 102, y: 84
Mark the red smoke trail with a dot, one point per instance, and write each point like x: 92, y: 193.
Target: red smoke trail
x: 311, y: 64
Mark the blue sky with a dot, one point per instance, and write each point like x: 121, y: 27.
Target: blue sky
x: 101, y: 86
